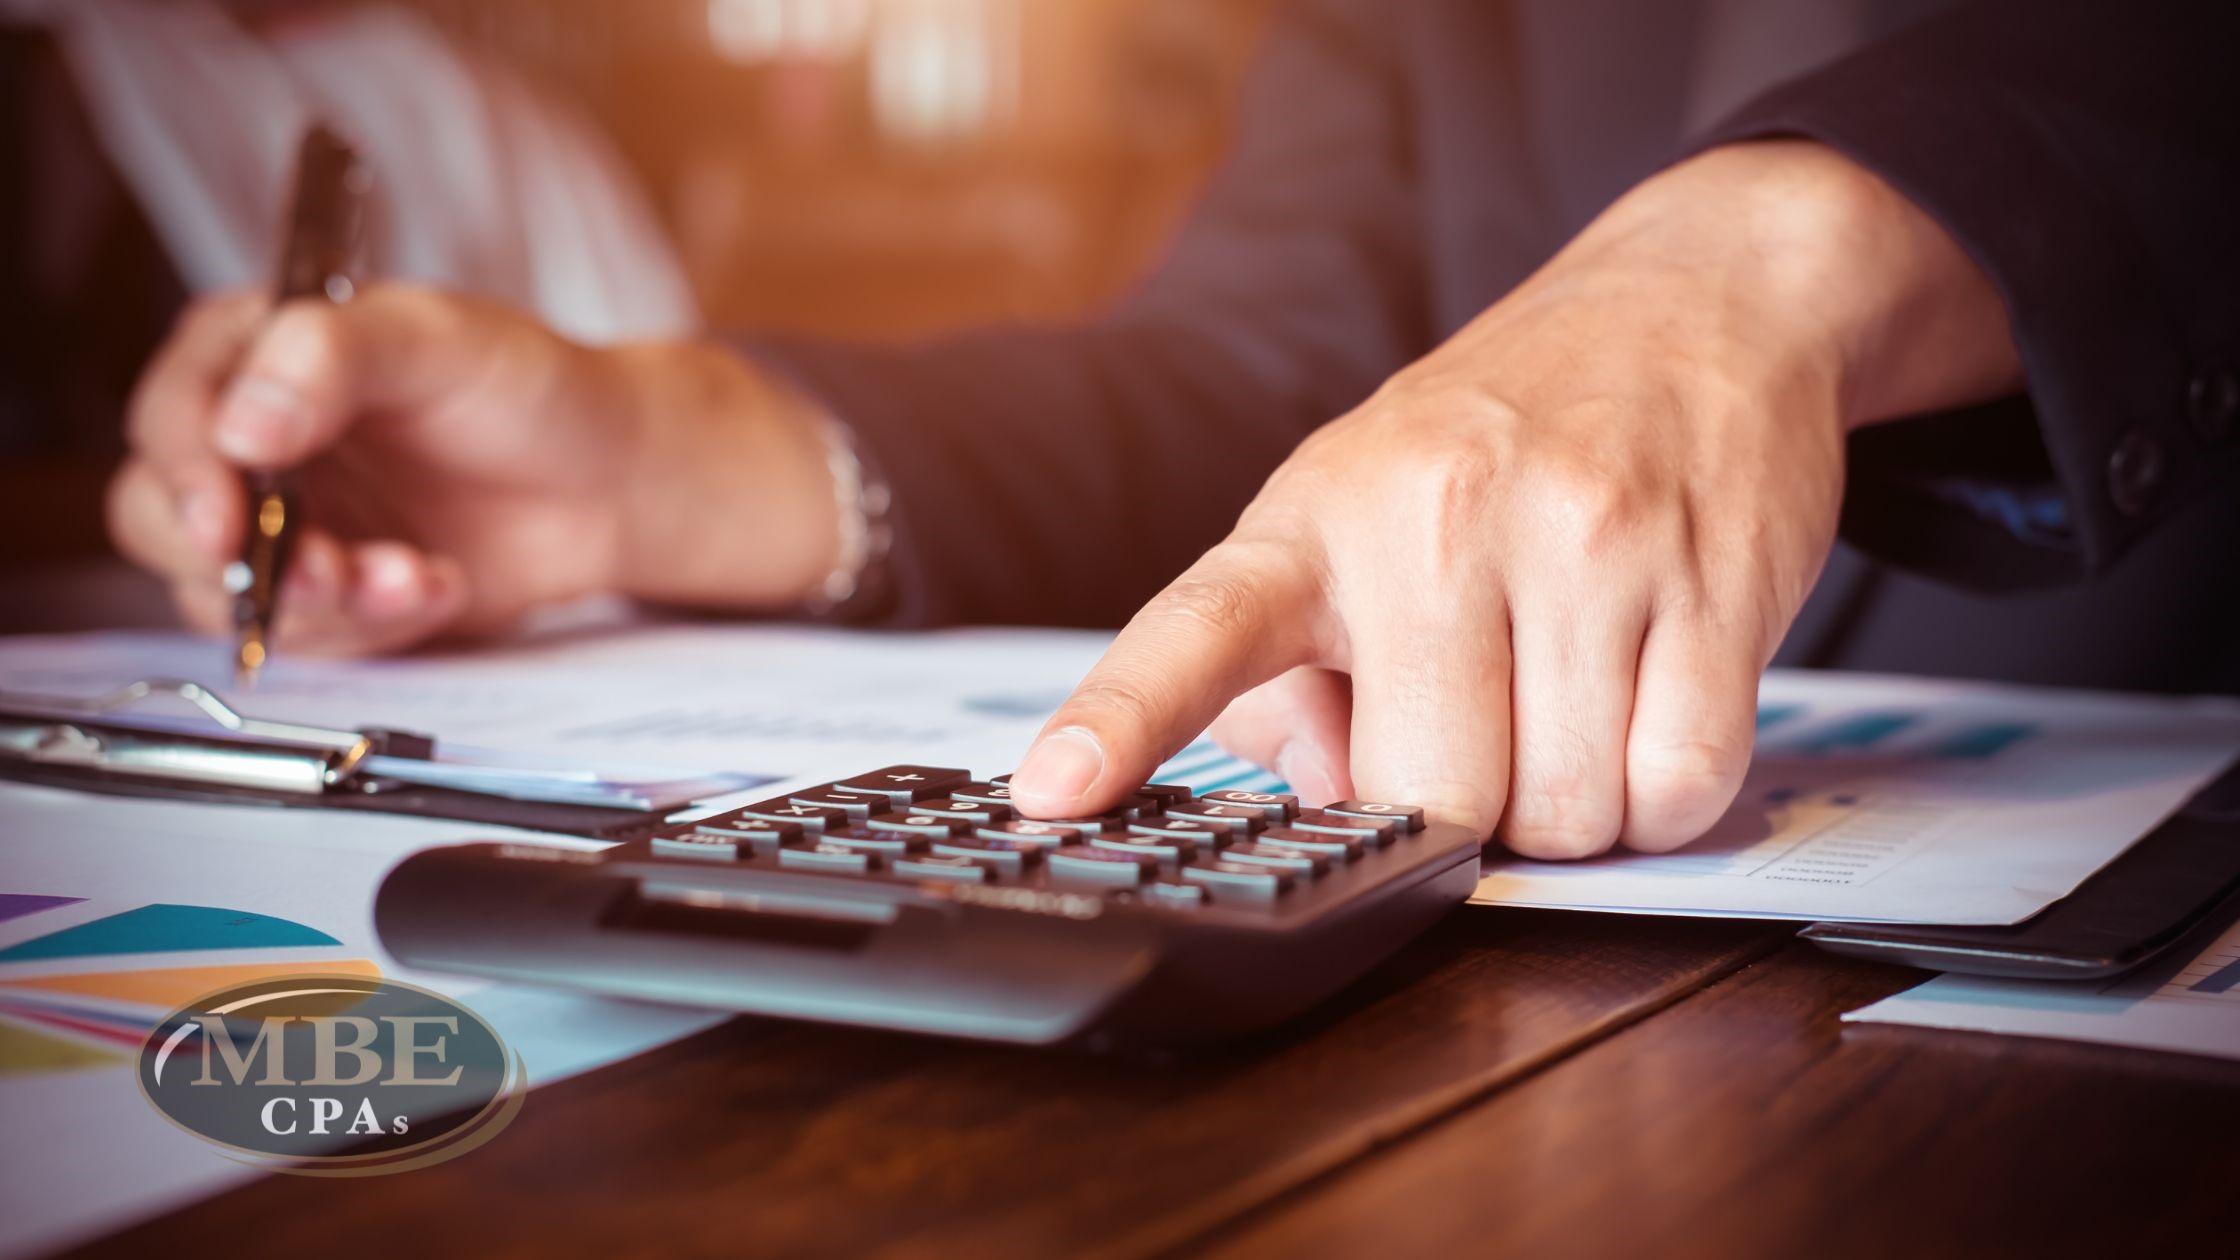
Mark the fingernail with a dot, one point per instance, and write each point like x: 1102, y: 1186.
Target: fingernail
x: 1059, y: 769
x: 1303, y: 766
x: 204, y: 514
x: 392, y: 582
x: 257, y: 419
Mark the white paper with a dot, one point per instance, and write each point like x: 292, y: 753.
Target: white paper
x: 801, y: 704
x: 1905, y: 800
x: 86, y: 1152
x: 2192, y: 1006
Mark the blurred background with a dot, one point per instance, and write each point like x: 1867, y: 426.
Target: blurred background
x: 854, y: 168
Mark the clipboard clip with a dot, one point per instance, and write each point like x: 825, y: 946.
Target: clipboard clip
x: 118, y: 733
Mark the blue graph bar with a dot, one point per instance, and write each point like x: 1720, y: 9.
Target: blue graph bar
x: 1204, y: 767
x: 1989, y: 740
x: 2220, y: 980
x: 1769, y: 714
x: 1863, y: 730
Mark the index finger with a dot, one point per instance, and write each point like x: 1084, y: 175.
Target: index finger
x: 1241, y: 615
x: 168, y: 423
x: 176, y: 398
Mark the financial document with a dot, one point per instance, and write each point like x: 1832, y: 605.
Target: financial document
x: 2190, y: 1004
x: 115, y: 910
x: 1904, y: 800
x: 772, y: 702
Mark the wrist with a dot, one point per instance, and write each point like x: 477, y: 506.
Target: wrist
x: 1850, y: 276
x: 727, y: 501
x: 1916, y: 324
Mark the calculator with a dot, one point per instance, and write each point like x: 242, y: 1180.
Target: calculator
x: 917, y: 898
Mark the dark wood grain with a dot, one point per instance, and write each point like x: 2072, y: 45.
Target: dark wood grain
x: 761, y: 1139
x: 1746, y: 1121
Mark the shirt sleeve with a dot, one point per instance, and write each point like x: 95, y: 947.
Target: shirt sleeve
x: 1062, y: 475
x: 2087, y: 155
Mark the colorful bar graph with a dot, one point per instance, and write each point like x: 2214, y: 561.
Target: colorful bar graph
x: 2219, y: 981
x: 16, y: 905
x: 165, y: 927
x: 1978, y: 742
x: 1774, y: 714
x: 1861, y: 730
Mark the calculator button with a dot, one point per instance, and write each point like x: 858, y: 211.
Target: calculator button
x: 1164, y: 794
x: 1005, y: 857
x: 829, y: 858
x: 929, y: 826
x: 1167, y: 893
x: 1029, y: 834
x: 1207, y: 833
x: 1375, y: 831
x: 1102, y: 867
x: 984, y: 793
x: 706, y: 848
x: 1408, y: 817
x: 814, y: 817
x: 856, y: 805
x: 865, y: 840
x: 955, y: 870
x: 904, y: 784
x: 1237, y: 818
x: 760, y: 834
x: 1302, y: 864
x: 968, y: 811
x: 1087, y: 826
x: 1276, y: 807
x: 1239, y: 880
x: 1336, y: 848
x: 1171, y: 850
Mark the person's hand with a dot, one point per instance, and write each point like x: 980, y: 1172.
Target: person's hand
x: 1533, y: 581
x: 460, y: 464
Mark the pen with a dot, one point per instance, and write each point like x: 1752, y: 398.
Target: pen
x: 315, y: 263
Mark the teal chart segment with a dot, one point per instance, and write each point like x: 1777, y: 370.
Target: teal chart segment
x: 162, y: 928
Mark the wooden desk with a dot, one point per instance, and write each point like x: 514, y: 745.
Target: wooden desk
x: 1519, y: 1083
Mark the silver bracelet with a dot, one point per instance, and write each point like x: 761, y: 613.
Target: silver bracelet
x: 863, y: 500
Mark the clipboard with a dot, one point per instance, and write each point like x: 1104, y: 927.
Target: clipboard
x: 204, y: 749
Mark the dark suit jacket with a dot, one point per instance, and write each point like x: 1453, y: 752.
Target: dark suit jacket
x: 1400, y: 164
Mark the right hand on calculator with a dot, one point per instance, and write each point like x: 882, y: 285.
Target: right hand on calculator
x: 459, y: 464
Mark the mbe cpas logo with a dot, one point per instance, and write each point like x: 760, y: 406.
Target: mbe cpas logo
x: 336, y: 1076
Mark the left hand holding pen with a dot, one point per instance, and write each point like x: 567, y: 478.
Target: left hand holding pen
x: 1532, y: 582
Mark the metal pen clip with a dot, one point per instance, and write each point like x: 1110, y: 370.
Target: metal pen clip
x: 104, y: 733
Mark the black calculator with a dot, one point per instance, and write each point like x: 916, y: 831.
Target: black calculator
x: 916, y: 898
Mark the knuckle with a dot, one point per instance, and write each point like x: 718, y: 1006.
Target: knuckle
x: 1474, y: 804
x: 1677, y: 791
x: 1590, y: 506
x: 216, y: 313
x: 304, y: 343
x: 1562, y: 823
x: 1121, y: 696
x: 1221, y: 595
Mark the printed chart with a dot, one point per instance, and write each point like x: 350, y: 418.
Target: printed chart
x: 2212, y: 976
x: 85, y: 993
x: 1911, y: 800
